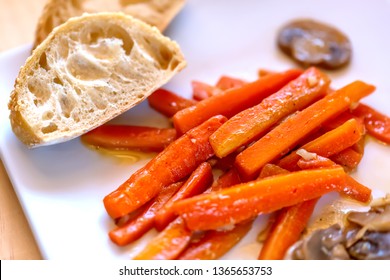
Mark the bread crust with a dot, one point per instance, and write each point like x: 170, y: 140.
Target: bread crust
x: 158, y: 13
x: 86, y: 72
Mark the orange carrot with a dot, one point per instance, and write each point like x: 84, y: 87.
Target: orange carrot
x: 348, y: 158
x: 226, y: 82
x: 134, y: 229
x: 177, y: 161
x: 214, y: 244
x: 284, y: 136
x: 202, y: 90
x: 199, y: 180
x: 352, y: 188
x: 341, y: 119
x: 147, y: 139
x: 288, y: 224
x: 377, y: 124
x: 232, y: 101
x: 315, y: 162
x: 270, y: 170
x: 168, y: 103
x: 264, y: 72
x: 244, y: 201
x: 328, y: 144
x: 168, y: 244
x: 174, y: 238
x: 250, y: 124
x: 226, y: 180
x: 286, y: 230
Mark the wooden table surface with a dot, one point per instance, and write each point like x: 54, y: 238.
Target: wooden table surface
x: 17, y: 26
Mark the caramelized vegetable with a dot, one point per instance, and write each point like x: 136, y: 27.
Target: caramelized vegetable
x: 146, y: 139
x: 314, y: 43
x: 244, y: 201
x: 377, y: 124
x: 286, y: 135
x: 232, y: 101
x: 253, y: 122
x: 173, y: 164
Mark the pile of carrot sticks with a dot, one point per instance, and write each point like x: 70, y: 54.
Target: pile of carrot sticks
x: 280, y: 143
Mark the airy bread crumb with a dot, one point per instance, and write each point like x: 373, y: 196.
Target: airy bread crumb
x: 157, y: 13
x: 88, y: 71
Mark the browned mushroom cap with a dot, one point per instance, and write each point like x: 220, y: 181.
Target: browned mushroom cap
x: 312, y: 43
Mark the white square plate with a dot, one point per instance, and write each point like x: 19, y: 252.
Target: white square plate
x: 61, y: 187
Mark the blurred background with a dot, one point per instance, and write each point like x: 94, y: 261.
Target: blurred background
x: 17, y: 26
x: 17, y: 21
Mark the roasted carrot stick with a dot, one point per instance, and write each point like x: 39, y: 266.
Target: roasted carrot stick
x: 377, y: 124
x: 226, y: 180
x: 230, y: 102
x: 174, y: 238
x: 147, y: 139
x: 199, y: 181
x: 286, y: 230
x: 226, y: 82
x: 341, y: 119
x: 264, y: 72
x: 177, y: 161
x: 244, y: 201
x: 250, y: 124
x: 352, y: 188
x: 284, y: 136
x: 168, y: 244
x: 214, y: 244
x: 328, y: 144
x: 168, y: 103
x: 348, y: 158
x: 202, y: 90
x: 288, y: 223
x: 134, y: 229
x: 315, y: 162
x: 270, y: 170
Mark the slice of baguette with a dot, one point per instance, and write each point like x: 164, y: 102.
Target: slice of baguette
x: 158, y: 13
x: 89, y: 70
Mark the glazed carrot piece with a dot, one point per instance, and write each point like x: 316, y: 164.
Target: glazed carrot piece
x: 286, y: 230
x: 168, y: 244
x: 288, y: 224
x: 315, y: 162
x: 134, y: 229
x: 173, y: 164
x: 226, y: 180
x: 341, y: 119
x: 270, y: 170
x: 232, y: 101
x: 250, y: 124
x: 377, y: 124
x: 247, y: 200
x: 199, y: 181
x: 168, y: 103
x: 288, y: 133
x: 348, y: 158
x: 264, y: 72
x: 202, y: 90
x: 174, y: 238
x: 214, y: 244
x: 141, y: 138
x: 328, y: 144
x: 226, y: 82
x: 352, y: 188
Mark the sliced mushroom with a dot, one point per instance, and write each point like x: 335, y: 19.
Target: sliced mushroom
x: 312, y: 43
x: 365, y: 236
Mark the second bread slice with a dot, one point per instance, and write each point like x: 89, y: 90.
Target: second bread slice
x: 88, y: 71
